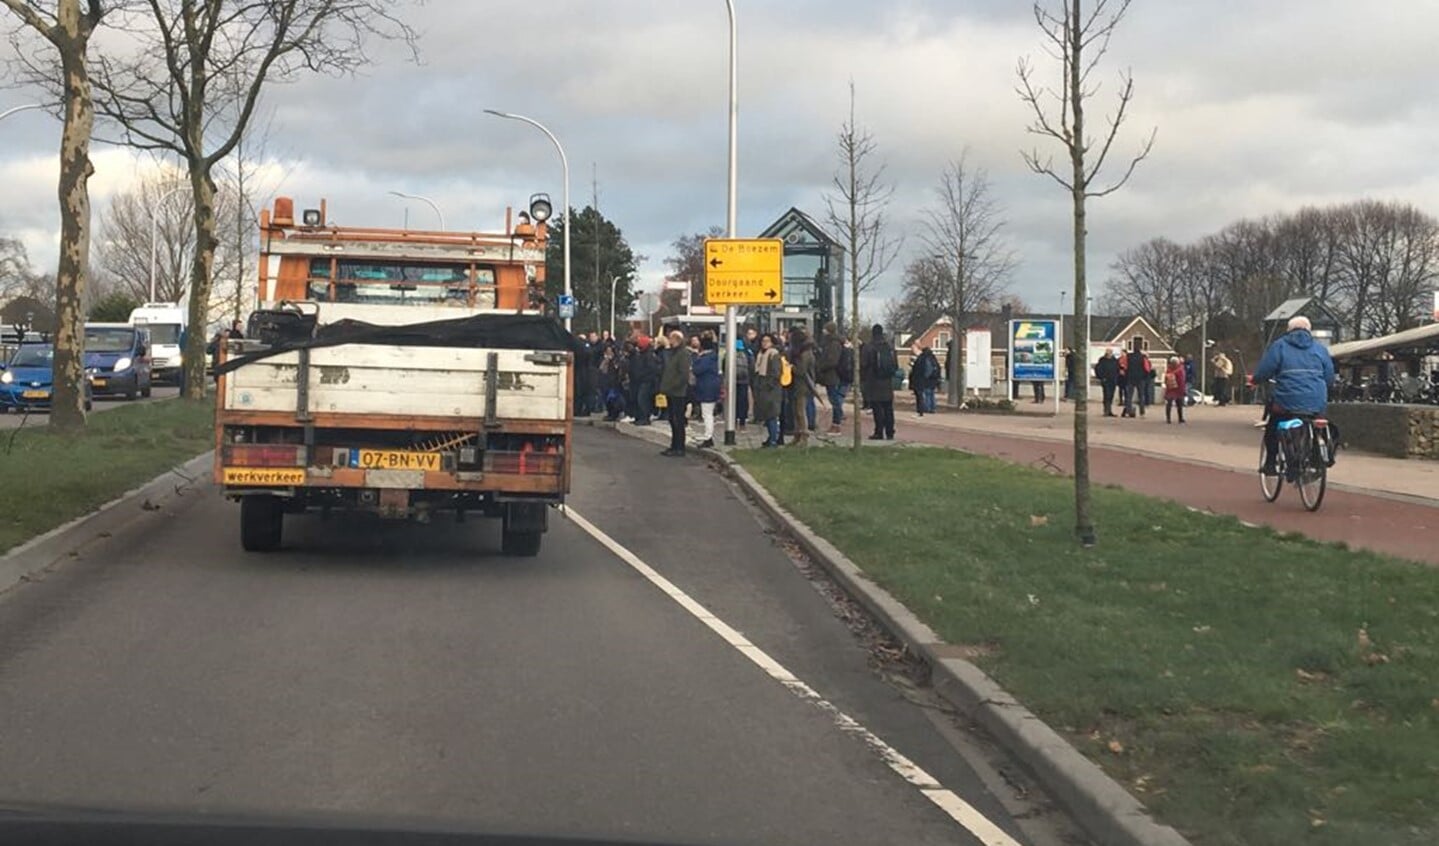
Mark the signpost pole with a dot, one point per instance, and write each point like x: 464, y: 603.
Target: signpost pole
x: 730, y: 324
x: 1013, y: 384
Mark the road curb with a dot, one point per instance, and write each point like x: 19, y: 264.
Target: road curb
x: 1104, y: 809
x: 67, y: 540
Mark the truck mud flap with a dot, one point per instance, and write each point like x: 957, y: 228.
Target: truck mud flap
x: 526, y: 517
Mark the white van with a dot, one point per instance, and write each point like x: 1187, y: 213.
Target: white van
x: 166, y: 322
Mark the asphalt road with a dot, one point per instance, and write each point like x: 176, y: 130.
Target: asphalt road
x: 407, y: 671
x: 13, y: 419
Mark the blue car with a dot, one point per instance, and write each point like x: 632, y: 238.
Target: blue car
x: 117, y: 357
x: 28, y: 378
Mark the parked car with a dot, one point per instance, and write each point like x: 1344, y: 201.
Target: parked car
x: 117, y: 357
x: 28, y: 378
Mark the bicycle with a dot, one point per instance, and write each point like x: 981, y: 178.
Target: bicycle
x: 1306, y: 451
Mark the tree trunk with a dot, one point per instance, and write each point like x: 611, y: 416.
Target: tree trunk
x: 201, y: 277
x: 960, y: 339
x: 67, y: 411
x: 1083, y: 522
x: 854, y: 279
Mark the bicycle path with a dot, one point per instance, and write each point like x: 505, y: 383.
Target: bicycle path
x: 1401, y: 528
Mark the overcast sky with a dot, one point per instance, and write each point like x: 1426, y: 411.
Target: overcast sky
x: 1261, y: 106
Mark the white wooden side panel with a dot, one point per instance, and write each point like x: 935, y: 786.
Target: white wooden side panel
x: 368, y: 379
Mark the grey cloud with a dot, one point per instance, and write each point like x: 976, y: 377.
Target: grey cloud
x: 1260, y: 107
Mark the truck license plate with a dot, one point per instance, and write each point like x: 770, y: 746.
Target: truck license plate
x: 393, y: 459
x: 264, y: 475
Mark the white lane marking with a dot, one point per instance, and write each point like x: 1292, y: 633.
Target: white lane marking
x: 947, y: 800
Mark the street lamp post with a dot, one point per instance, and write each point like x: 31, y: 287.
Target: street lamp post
x: 1088, y: 343
x: 614, y: 280
x: 13, y: 110
x: 1060, y: 379
x: 565, y: 165
x: 154, y: 233
x: 438, y: 213
x: 730, y: 323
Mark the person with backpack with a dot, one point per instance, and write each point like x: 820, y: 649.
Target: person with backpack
x: 845, y: 372
x: 832, y: 358
x: 744, y: 366
x: 877, y: 366
x: 706, y: 372
x: 924, y: 377
x: 1176, y: 389
x: 767, y: 390
x: 1134, y: 371
x: 802, y: 362
x: 1106, y: 370
x: 644, y: 373
x: 675, y: 385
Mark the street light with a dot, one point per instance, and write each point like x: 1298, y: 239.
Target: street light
x: 565, y: 164
x: 730, y: 324
x: 1088, y: 344
x: 438, y: 213
x: 11, y: 111
x: 614, y: 280
x: 154, y: 234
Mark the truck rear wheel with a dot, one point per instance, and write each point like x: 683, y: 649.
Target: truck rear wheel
x: 262, y: 521
x: 524, y: 526
x: 521, y: 544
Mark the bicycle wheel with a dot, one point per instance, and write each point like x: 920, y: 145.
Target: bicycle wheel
x: 1313, y: 476
x: 1269, y: 485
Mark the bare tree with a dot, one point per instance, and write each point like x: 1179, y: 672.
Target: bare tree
x: 687, y: 263
x: 963, y: 234
x: 924, y: 289
x: 1152, y: 279
x: 857, y: 210
x: 17, y: 277
x: 244, y: 179
x: 67, y: 25
x: 193, y: 83
x: 1077, y: 41
x: 154, y: 209
x: 1388, y: 258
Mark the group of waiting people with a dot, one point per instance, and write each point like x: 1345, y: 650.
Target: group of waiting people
x: 1132, y: 376
x: 781, y: 379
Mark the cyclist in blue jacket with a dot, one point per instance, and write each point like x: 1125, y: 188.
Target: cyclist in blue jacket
x: 1302, y: 371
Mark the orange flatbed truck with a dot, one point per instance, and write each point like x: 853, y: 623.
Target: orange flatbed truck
x: 399, y: 372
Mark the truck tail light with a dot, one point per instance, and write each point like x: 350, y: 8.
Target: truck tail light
x: 263, y: 455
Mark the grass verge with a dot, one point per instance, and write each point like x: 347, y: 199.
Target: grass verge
x: 1250, y: 688
x: 50, y: 479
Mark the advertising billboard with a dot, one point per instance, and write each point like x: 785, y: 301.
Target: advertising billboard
x: 1032, y: 350
x: 977, y: 374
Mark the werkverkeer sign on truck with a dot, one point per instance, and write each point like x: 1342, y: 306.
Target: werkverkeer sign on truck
x: 399, y: 372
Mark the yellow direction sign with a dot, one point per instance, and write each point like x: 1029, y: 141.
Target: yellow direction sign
x: 744, y: 271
